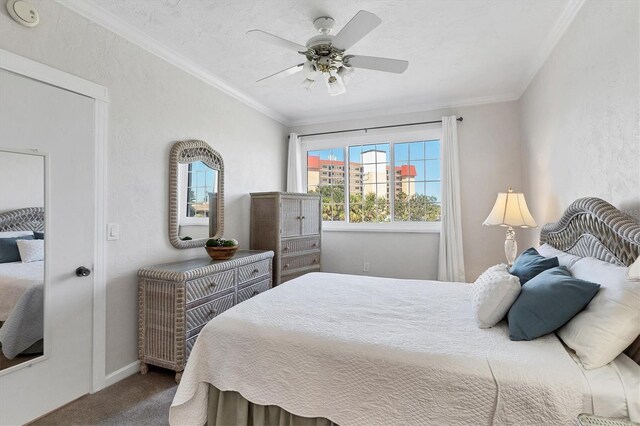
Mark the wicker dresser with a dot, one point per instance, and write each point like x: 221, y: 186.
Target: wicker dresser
x: 177, y: 299
x: 289, y: 224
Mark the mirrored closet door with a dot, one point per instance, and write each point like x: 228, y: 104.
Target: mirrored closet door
x: 47, y: 216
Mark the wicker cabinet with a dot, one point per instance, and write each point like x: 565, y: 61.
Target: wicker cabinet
x: 290, y: 225
x: 176, y: 300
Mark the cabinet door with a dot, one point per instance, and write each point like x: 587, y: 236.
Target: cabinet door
x: 310, y: 208
x: 290, y: 217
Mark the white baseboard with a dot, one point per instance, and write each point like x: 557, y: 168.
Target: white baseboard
x: 123, y: 373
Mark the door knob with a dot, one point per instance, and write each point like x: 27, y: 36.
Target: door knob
x: 81, y: 271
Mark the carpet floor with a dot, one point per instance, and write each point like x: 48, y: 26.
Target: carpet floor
x: 136, y: 400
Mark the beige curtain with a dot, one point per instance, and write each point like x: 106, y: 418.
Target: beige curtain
x: 294, y: 168
x: 451, y: 258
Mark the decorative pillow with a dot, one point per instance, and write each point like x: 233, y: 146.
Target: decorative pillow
x: 13, y: 234
x: 547, y: 302
x: 9, y: 248
x: 611, y: 322
x: 493, y: 294
x: 31, y: 250
x: 530, y: 263
x: 564, y: 259
x: 38, y: 235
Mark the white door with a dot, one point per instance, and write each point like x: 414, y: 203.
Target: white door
x: 34, y: 115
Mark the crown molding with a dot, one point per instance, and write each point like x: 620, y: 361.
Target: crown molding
x: 132, y: 34
x: 385, y: 112
x: 564, y: 21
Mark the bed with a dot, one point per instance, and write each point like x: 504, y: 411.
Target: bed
x: 330, y: 348
x: 22, y: 291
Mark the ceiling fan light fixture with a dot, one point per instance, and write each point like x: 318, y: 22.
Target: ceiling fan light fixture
x: 335, y: 84
x: 308, y: 83
x: 326, y: 55
x: 345, y: 73
x: 309, y: 70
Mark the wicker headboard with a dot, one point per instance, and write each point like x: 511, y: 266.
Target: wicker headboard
x: 27, y: 219
x: 591, y: 227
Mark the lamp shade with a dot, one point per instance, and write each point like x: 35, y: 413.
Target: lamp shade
x: 633, y: 273
x: 510, y: 209
x: 335, y: 85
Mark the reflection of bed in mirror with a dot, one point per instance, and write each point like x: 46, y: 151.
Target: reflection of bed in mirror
x: 22, y: 287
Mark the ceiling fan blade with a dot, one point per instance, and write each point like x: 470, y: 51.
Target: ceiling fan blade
x: 379, y: 64
x: 289, y: 71
x: 359, y: 26
x: 278, y: 41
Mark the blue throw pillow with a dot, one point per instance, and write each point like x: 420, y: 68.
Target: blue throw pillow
x: 9, y: 248
x: 547, y: 302
x: 530, y: 263
x: 38, y: 235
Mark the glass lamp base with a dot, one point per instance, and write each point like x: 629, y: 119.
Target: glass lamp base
x: 510, y: 246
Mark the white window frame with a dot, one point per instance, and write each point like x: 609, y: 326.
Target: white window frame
x: 344, y: 141
x: 183, y: 181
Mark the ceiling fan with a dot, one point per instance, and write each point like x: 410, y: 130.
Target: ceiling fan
x: 325, y: 53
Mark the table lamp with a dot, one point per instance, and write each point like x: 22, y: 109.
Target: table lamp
x: 510, y: 210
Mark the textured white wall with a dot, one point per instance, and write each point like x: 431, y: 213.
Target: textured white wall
x: 21, y: 181
x: 489, y: 163
x: 580, y: 115
x: 153, y: 104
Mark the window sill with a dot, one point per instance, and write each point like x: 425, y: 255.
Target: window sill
x: 417, y: 228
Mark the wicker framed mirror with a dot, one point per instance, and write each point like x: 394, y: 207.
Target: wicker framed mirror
x: 196, y: 194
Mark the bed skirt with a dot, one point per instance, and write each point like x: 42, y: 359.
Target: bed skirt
x: 230, y: 408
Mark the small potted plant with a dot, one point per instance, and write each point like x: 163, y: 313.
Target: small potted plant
x: 221, y: 248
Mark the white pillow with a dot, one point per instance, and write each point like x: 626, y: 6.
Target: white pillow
x: 564, y: 259
x: 611, y: 321
x: 13, y: 234
x: 31, y: 250
x: 493, y: 294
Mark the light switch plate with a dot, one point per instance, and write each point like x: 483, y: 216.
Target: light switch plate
x: 113, y: 231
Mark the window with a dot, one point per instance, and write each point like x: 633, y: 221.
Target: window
x: 389, y: 182
x: 331, y: 184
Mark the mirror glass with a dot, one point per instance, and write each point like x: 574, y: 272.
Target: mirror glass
x: 198, y: 185
x: 22, y: 257
x: 196, y: 201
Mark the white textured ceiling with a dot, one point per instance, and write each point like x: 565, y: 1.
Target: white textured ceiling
x: 459, y: 52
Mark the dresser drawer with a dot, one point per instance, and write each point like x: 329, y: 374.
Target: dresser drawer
x: 297, y: 262
x: 255, y: 270
x: 206, y: 286
x: 252, y: 290
x: 300, y: 244
x: 201, y: 315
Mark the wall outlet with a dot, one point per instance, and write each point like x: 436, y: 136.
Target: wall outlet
x: 365, y: 267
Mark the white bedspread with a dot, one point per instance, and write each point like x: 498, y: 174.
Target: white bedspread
x: 375, y: 351
x: 15, y: 279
